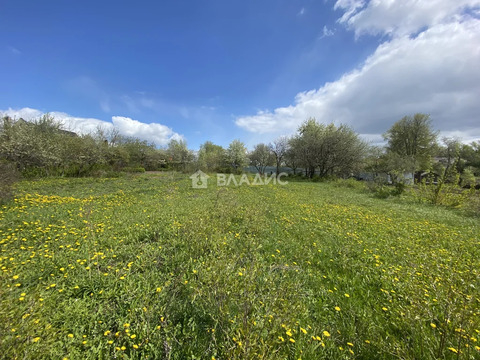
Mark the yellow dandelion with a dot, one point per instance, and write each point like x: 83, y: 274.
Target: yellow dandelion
x: 303, y: 330
x: 281, y: 339
x: 106, y: 333
x: 453, y: 350
x: 326, y: 333
x: 337, y: 308
x: 70, y: 336
x: 133, y: 336
x: 291, y: 340
x: 433, y: 325
x: 36, y: 339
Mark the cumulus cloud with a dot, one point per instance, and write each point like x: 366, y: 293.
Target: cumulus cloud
x: 152, y: 132
x: 401, y: 17
x: 157, y: 133
x: 436, y: 72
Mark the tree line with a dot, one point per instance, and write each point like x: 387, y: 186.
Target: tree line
x: 43, y: 147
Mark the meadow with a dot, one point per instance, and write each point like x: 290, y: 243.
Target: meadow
x: 145, y: 267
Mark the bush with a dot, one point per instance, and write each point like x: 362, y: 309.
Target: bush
x: 383, y: 191
x: 350, y: 183
x: 8, y: 176
x: 137, y: 169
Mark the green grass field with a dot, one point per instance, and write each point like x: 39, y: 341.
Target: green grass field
x: 146, y: 267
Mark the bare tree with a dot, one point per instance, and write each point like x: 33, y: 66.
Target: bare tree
x: 279, y: 148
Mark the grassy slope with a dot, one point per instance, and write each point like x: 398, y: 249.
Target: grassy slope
x: 147, y: 267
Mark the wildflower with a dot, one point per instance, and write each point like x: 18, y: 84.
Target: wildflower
x: 70, y: 336
x: 346, y: 295
x: 288, y: 332
x: 326, y: 333
x: 433, y: 325
x: 453, y: 350
x: 133, y: 336
x: 291, y: 340
x: 106, y: 333
x: 36, y: 339
x: 337, y: 308
x: 281, y: 339
x: 159, y: 289
x: 303, y: 330
x: 349, y: 344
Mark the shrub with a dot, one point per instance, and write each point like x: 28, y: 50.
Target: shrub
x: 137, y: 169
x: 8, y: 176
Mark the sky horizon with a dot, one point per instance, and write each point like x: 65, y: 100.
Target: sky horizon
x: 218, y: 71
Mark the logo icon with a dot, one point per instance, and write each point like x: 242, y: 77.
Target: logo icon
x: 199, y: 180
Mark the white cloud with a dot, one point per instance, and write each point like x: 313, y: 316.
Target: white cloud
x: 435, y: 72
x: 301, y: 12
x: 153, y: 132
x: 327, y: 32
x: 401, y: 17
x: 157, y: 133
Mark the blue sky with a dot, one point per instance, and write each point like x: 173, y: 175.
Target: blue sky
x: 253, y: 70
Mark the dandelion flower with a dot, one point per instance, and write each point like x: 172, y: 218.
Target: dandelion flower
x: 326, y: 333
x: 337, y: 308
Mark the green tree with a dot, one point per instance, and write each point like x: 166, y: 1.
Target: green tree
x: 237, y: 155
x: 211, y: 157
x: 413, y: 139
x: 178, y: 154
x: 328, y: 149
x: 261, y: 157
